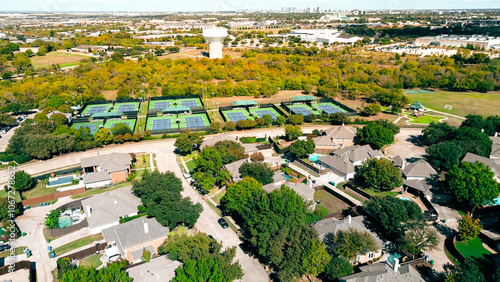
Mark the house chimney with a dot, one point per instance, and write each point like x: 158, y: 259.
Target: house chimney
x: 396, y: 264
x: 349, y: 219
x: 146, y: 228
x: 496, y: 134
x: 342, y: 124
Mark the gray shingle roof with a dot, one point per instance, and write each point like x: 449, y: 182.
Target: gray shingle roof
x: 383, y: 272
x: 472, y: 158
x: 137, y: 254
x: 398, y: 161
x: 109, y: 206
x: 234, y: 168
x: 495, y: 148
x: 420, y: 185
x: 419, y: 168
x: 333, y: 225
x: 324, y: 141
x: 111, y: 162
x: 96, y: 177
x: 357, y: 153
x: 133, y: 233
x: 301, y: 189
x: 341, y: 132
x: 159, y: 269
x: 220, y: 137
x: 342, y: 164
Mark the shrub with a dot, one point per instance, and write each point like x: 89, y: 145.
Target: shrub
x: 251, y: 139
x: 257, y: 157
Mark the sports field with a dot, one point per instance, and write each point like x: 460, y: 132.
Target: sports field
x: 260, y: 112
x: 125, y: 107
x: 95, y: 109
x: 236, y: 115
x: 130, y: 122
x: 93, y: 126
x: 329, y: 108
x: 303, y: 109
x: 193, y: 121
x: 462, y: 103
x: 161, y: 123
x: 163, y: 104
x: 59, y: 58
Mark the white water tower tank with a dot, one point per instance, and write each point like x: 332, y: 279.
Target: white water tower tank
x: 214, y: 36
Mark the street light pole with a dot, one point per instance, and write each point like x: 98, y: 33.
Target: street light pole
x: 213, y: 100
x: 356, y: 100
x: 81, y: 100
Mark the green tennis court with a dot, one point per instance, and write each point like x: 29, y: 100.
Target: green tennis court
x: 125, y: 107
x: 329, y: 108
x: 161, y: 123
x: 93, y: 126
x: 303, y: 109
x: 130, y: 122
x: 163, y: 104
x: 260, y: 112
x: 193, y: 121
x: 96, y: 109
x: 236, y: 115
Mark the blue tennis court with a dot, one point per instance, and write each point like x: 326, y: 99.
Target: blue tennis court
x: 162, y: 124
x: 329, y: 109
x: 90, y: 126
x: 126, y: 108
x: 236, y: 116
x: 301, y: 111
x: 261, y: 113
x: 96, y: 110
x: 189, y: 103
x: 192, y: 122
x: 161, y: 105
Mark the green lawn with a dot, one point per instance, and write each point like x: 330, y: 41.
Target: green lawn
x: 472, y: 249
x: 190, y: 156
x: 463, y: 103
x: 219, y: 196
x: 17, y: 251
x: 191, y: 165
x: 77, y: 244
x: 96, y: 191
x: 352, y: 194
x: 140, y: 161
x: 40, y: 190
x: 92, y: 261
x: 59, y: 58
x: 426, y: 119
x: 141, y: 121
x: 330, y: 202
x: 374, y: 193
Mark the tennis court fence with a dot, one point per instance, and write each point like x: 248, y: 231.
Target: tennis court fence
x: 165, y: 131
x: 247, y: 108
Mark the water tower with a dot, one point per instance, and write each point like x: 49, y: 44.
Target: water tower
x: 214, y: 36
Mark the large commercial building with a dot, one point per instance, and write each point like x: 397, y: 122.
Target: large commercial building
x: 478, y: 41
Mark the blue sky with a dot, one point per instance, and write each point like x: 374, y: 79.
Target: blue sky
x: 216, y: 5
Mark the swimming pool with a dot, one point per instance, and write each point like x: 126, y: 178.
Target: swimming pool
x: 61, y: 180
x: 405, y: 198
x: 314, y: 157
x: 392, y: 256
x: 496, y: 202
x: 64, y: 221
x: 286, y: 176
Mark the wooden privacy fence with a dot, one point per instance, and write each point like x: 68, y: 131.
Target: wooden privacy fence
x: 87, y: 252
x: 58, y: 232
x: 53, y: 196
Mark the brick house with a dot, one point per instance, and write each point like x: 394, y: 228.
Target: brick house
x: 128, y: 240
x: 342, y: 162
x: 334, y: 138
x: 102, y: 170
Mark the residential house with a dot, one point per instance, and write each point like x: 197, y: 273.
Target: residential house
x: 105, y: 169
x: 343, y: 161
x: 130, y: 239
x: 156, y: 270
x: 384, y: 272
x: 495, y: 148
x: 219, y: 137
x: 333, y: 225
x: 104, y: 210
x: 234, y: 169
x: 85, y: 49
x: 303, y: 190
x: 493, y: 164
x: 417, y: 175
x: 334, y: 138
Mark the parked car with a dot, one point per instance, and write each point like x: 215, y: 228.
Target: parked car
x: 4, y: 247
x: 223, y: 223
x: 3, y: 131
x: 332, y: 183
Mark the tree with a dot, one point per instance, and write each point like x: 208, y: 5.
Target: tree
x: 58, y: 118
x: 188, y: 141
x: 314, y: 258
x: 21, y: 62
x: 215, y: 127
x: 230, y: 126
x: 23, y: 181
x: 104, y: 136
x: 443, y: 156
x: 473, y: 140
x: 302, y: 148
x: 146, y: 255
x: 471, y: 184
x: 296, y: 119
x: 7, y: 75
x: 292, y: 132
x: 232, y: 151
x: 259, y: 171
x: 238, y: 195
x: 468, y: 271
x: 257, y: 157
x: 437, y: 132
x: 198, y: 270
x: 419, y: 237
x: 350, y: 243
x: 6, y: 119
x: 52, y: 219
x: 267, y: 119
x: 372, y: 109
x: 123, y: 93
x: 117, y: 57
x: 111, y: 273
x: 468, y: 228
x: 280, y: 120
x: 378, y: 174
x: 121, y: 129
x: 338, y: 267
x: 375, y: 135
x: 204, y: 181
x: 340, y: 119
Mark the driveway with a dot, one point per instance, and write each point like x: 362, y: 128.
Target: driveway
x: 406, y: 144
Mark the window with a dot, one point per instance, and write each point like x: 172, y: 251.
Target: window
x: 370, y: 255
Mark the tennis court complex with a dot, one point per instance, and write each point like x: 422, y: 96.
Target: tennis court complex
x: 125, y: 107
x: 92, y: 126
x: 96, y: 109
x: 236, y: 115
x: 163, y: 104
x: 330, y: 108
x: 193, y: 121
x: 302, y: 109
x: 130, y: 122
x: 161, y: 123
x: 265, y: 111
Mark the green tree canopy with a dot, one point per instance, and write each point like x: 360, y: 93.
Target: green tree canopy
x: 257, y: 170
x: 233, y: 151
x: 468, y: 228
x: 292, y: 132
x: 302, y: 148
x: 188, y: 141
x: 350, y: 243
x: 338, y: 267
x: 238, y: 195
x: 296, y: 119
x: 121, y: 129
x: 444, y: 155
x: 23, y: 181
x: 437, y: 132
x: 378, y: 174
x: 375, y: 135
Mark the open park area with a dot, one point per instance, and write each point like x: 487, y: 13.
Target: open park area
x: 58, y: 58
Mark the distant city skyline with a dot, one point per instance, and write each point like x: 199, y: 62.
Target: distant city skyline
x: 233, y: 5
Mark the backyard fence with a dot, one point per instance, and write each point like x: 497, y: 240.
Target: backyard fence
x: 87, y: 252
x: 358, y: 191
x: 51, y: 197
x: 313, y: 168
x: 24, y: 264
x: 336, y: 194
x: 58, y: 232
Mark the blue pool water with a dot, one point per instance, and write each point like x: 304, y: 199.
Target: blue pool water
x: 64, y: 221
x: 496, y: 202
x: 286, y: 176
x: 314, y: 157
x: 61, y: 180
x: 392, y: 256
x: 405, y: 198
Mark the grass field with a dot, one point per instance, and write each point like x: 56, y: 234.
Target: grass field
x: 39, y: 190
x: 426, y: 119
x: 17, y: 251
x: 110, y: 123
x: 374, y: 193
x: 77, y: 244
x: 58, y: 58
x: 330, y: 202
x: 472, y: 249
x: 463, y: 103
x: 219, y: 196
x: 92, y: 261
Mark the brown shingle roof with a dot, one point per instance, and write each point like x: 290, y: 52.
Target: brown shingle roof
x: 341, y: 132
x: 324, y: 141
